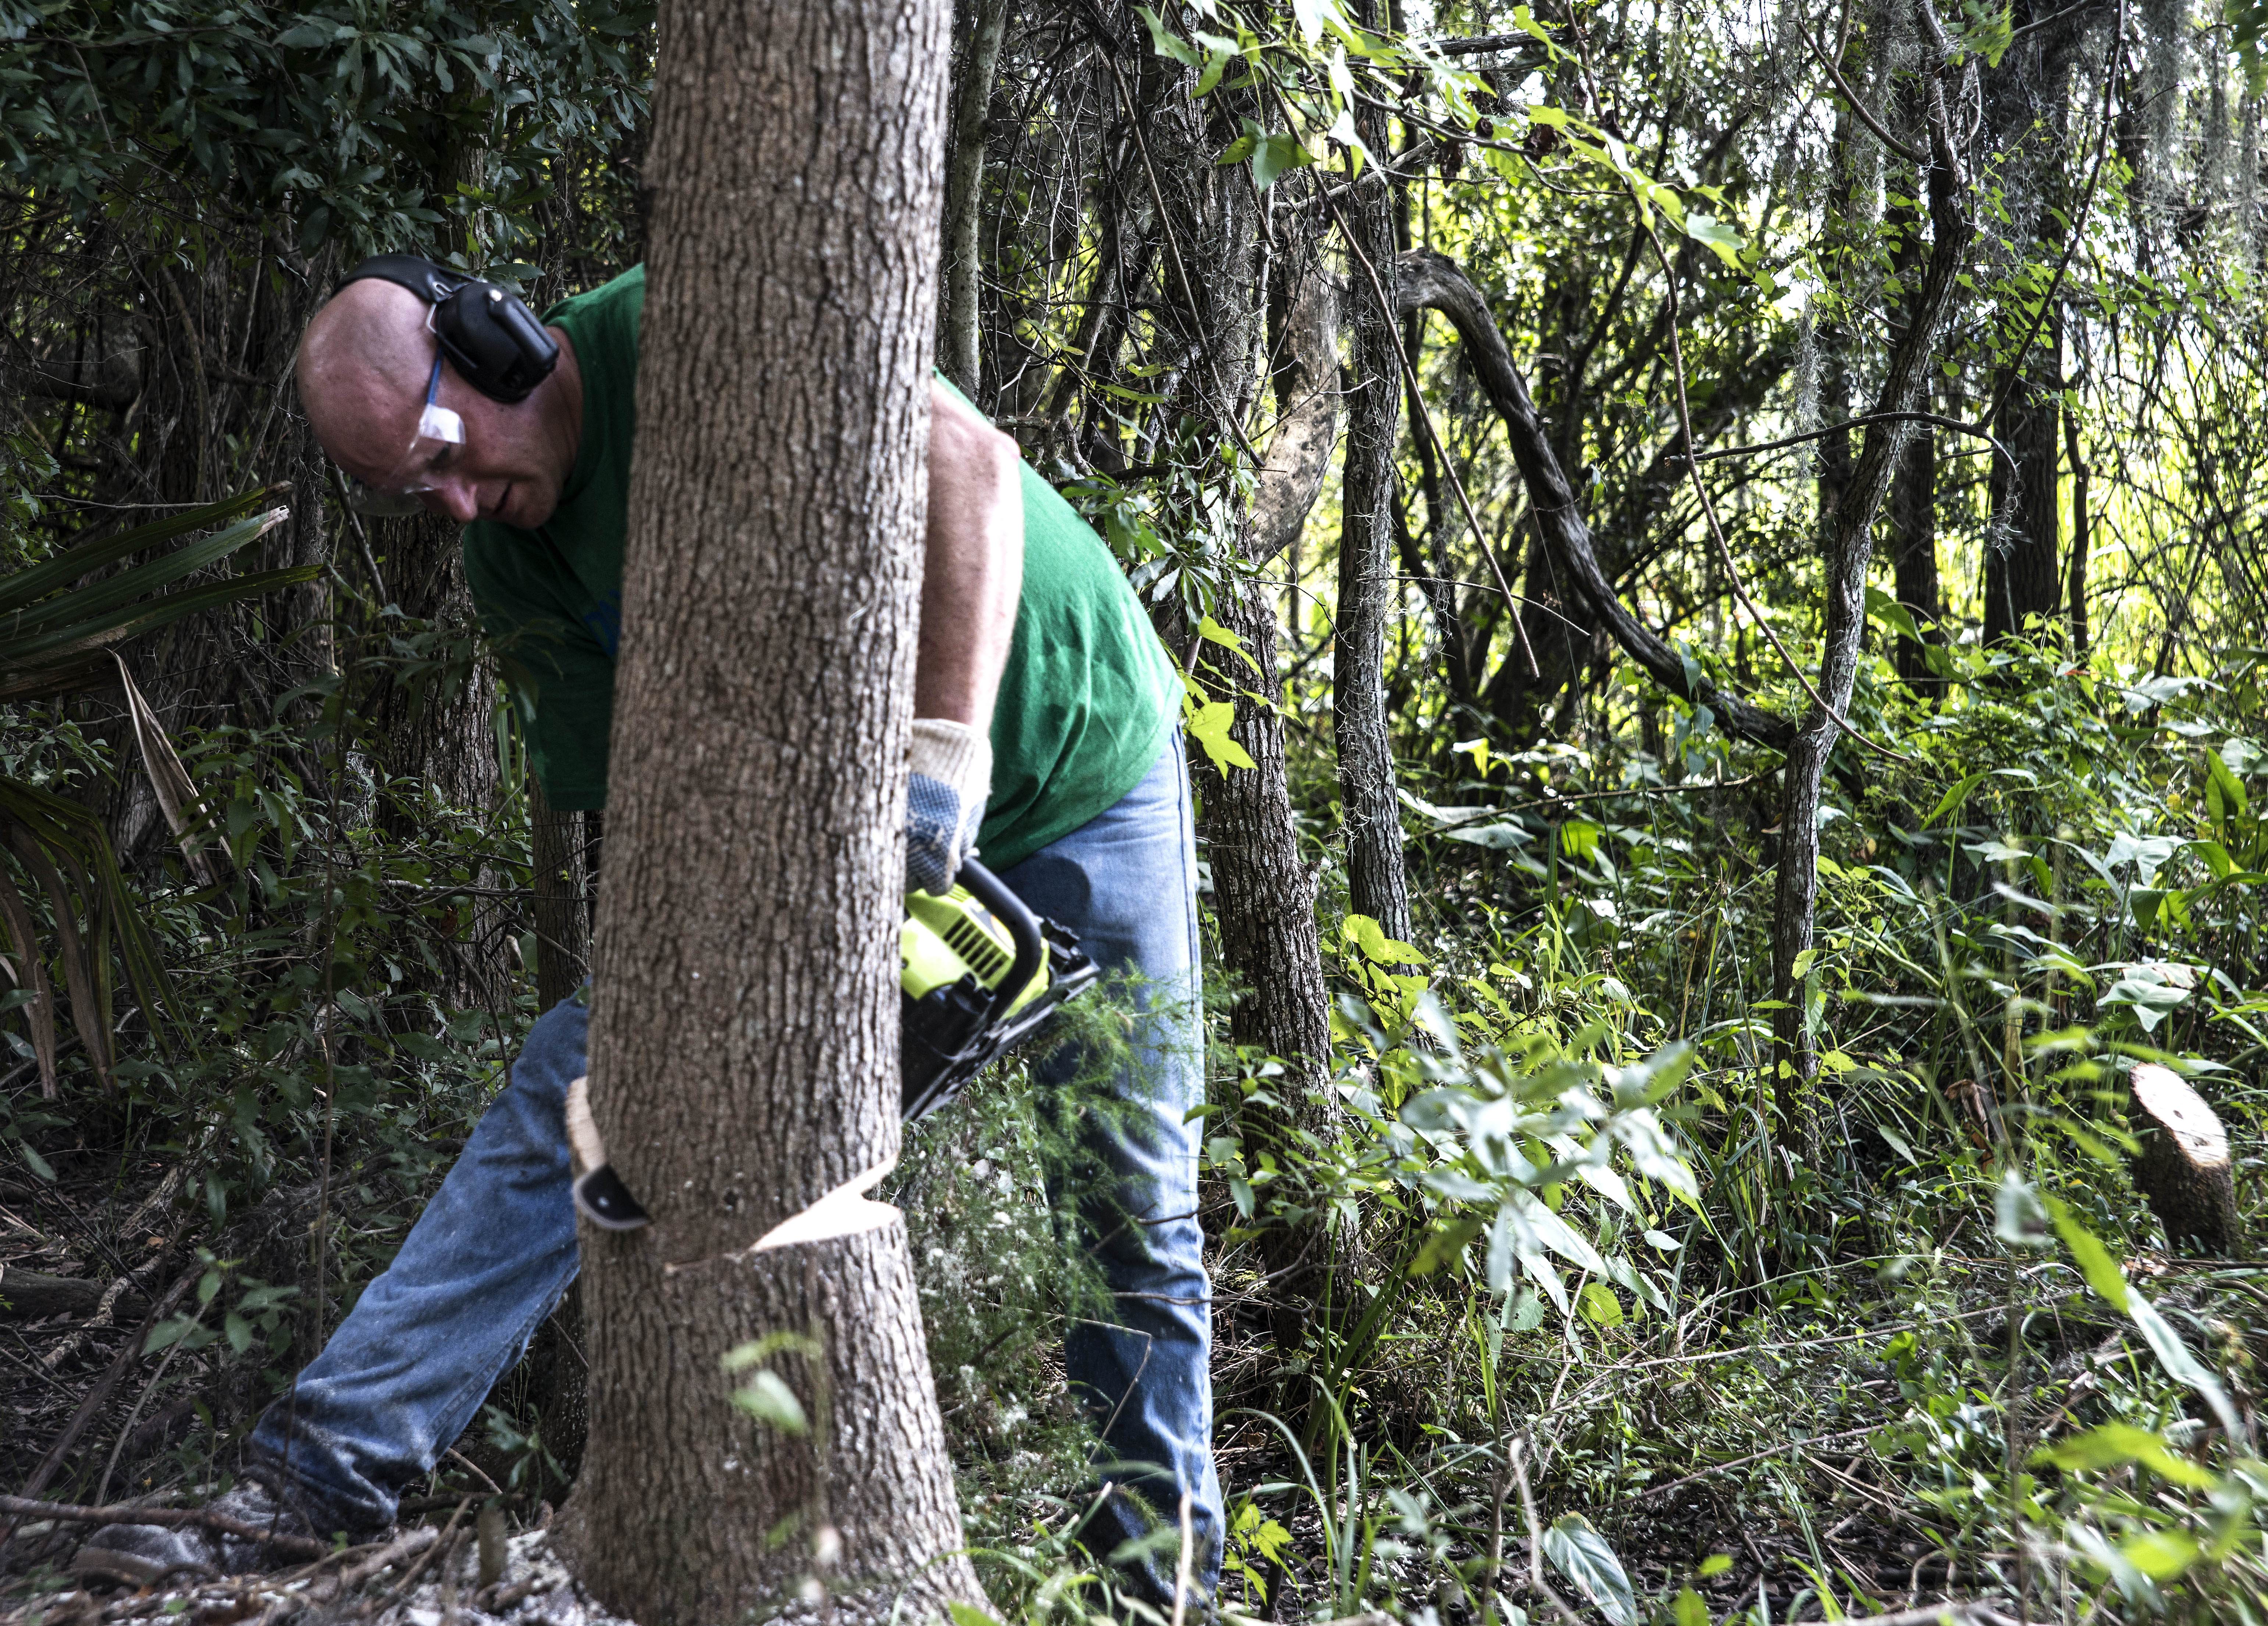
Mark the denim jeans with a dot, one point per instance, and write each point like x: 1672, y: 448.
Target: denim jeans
x: 409, y: 1367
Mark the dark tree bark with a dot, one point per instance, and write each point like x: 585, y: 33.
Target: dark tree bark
x: 1378, y: 885
x: 2024, y: 574
x: 743, y: 1037
x: 562, y: 921
x: 1913, y: 557
x: 2028, y: 110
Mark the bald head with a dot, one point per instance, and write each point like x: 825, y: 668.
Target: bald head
x: 362, y: 367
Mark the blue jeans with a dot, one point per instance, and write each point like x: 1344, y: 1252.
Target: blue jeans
x: 406, y: 1371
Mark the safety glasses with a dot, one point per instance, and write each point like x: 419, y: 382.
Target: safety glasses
x: 402, y: 492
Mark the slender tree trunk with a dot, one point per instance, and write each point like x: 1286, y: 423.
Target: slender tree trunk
x: 1378, y: 886
x: 743, y: 1037
x: 2079, y: 471
x: 1850, y: 553
x: 979, y: 63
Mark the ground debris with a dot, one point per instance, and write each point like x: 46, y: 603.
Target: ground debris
x: 358, y: 1585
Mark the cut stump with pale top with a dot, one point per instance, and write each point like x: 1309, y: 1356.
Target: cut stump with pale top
x: 2183, y: 1166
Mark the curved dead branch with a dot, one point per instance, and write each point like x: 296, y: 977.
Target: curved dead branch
x: 1431, y: 281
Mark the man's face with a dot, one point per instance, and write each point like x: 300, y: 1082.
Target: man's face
x: 505, y: 469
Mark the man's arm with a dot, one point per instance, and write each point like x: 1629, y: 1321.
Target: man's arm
x: 974, y: 564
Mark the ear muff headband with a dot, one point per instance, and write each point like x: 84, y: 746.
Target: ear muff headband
x: 487, y: 332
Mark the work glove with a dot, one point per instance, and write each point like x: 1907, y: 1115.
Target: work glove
x: 945, y: 800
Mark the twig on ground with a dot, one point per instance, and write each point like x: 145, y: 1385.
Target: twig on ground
x: 1536, y: 1584
x: 1754, y: 1456
x: 197, y: 1517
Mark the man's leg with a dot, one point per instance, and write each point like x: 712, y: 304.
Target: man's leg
x: 1125, y: 883
x: 485, y: 1263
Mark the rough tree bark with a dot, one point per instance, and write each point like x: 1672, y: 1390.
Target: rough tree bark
x: 1849, y: 551
x: 2024, y: 574
x: 563, y: 931
x: 1263, y: 895
x: 1377, y: 883
x: 744, y: 1035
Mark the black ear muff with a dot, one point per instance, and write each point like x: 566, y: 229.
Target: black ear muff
x: 500, y: 346
x: 487, y: 332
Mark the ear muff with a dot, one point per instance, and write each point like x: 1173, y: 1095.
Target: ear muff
x: 487, y: 332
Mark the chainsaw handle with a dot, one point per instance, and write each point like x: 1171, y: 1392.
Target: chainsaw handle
x: 1031, y: 949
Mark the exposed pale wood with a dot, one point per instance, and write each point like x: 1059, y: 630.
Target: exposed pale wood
x: 2183, y: 1168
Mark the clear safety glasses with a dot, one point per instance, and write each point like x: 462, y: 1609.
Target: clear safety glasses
x: 430, y: 453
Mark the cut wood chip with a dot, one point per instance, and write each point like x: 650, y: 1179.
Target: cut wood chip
x: 2183, y: 1166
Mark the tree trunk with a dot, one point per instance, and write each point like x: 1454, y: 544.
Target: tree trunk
x: 1378, y: 886
x: 2077, y: 585
x: 1850, y: 553
x: 964, y: 191
x: 563, y: 931
x: 1913, y: 491
x: 1913, y: 541
x: 2023, y: 576
x: 745, y: 1032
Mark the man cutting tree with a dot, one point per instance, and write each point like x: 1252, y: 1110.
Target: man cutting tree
x: 1044, y: 730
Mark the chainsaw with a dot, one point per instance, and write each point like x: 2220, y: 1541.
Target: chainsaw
x: 978, y: 974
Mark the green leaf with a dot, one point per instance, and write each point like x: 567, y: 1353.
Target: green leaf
x: 1689, y: 1610
x: 2161, y: 1554
x: 2114, y: 1444
x: 2094, y: 1260
x: 767, y: 1398
x: 1956, y: 795
x: 1214, y: 632
x: 32, y: 1160
x: 1168, y: 44
x: 1715, y: 1564
x: 1600, y: 1308
x: 67, y: 567
x: 1714, y: 234
x: 1274, y: 154
x: 1582, y: 1554
x: 1360, y: 931
x: 1209, y: 725
x: 1445, y: 1245
x: 1579, y: 838
x: 968, y: 1613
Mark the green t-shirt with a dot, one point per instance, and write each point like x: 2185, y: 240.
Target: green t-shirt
x: 1086, y: 704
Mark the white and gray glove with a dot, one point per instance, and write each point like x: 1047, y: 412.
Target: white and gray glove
x: 945, y: 800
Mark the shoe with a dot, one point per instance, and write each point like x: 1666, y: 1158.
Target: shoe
x: 142, y: 1554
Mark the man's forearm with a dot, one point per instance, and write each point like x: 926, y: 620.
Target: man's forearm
x: 973, y: 568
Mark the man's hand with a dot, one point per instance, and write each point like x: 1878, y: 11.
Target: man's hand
x: 945, y: 800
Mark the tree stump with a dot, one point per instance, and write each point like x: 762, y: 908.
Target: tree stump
x: 2183, y: 1166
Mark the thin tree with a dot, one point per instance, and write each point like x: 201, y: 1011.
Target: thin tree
x: 744, y: 1038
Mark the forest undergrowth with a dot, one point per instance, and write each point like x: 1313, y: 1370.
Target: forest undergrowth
x: 1608, y: 1321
